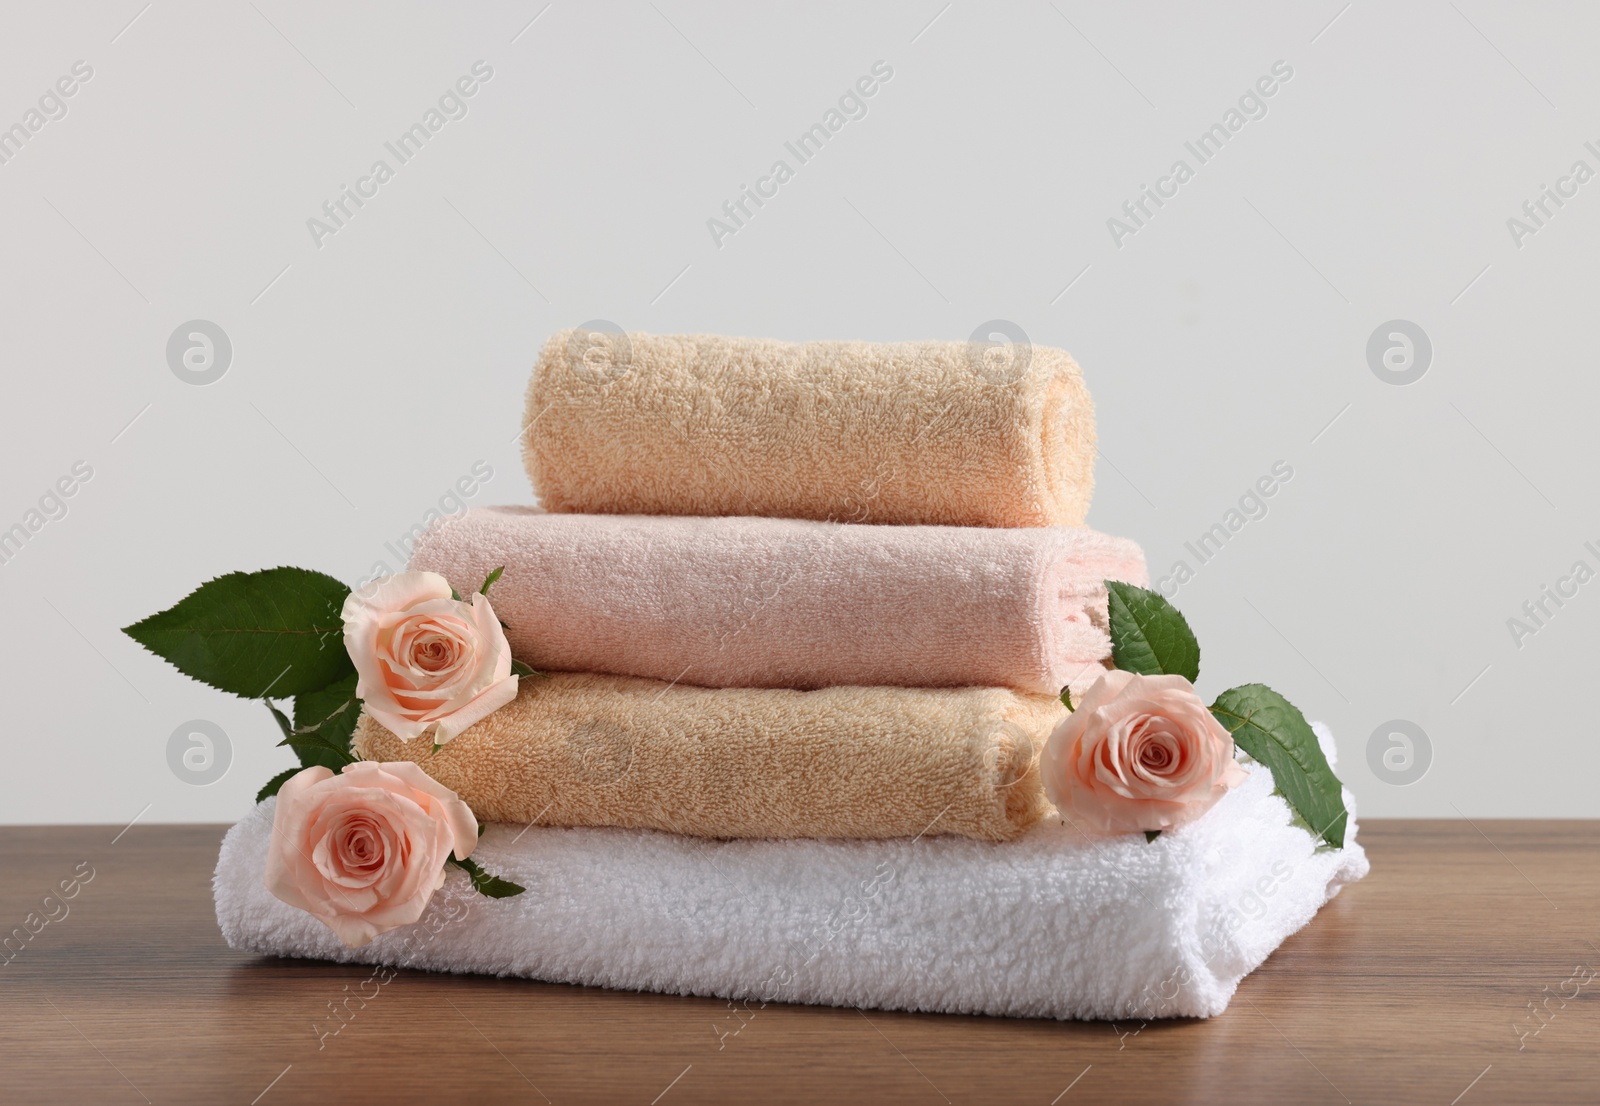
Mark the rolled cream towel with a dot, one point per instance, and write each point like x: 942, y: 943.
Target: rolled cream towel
x: 948, y: 433
x: 758, y: 602
x: 868, y: 762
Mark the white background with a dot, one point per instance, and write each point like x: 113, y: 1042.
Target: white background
x: 1227, y: 334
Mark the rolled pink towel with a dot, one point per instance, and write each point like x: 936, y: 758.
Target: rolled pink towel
x: 760, y: 602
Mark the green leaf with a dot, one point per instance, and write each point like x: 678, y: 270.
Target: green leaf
x: 283, y: 723
x: 314, y: 749
x: 1066, y: 698
x: 484, y: 883
x: 456, y: 595
x: 520, y: 669
x: 325, y: 720
x: 276, y: 782
x: 1151, y: 835
x: 1273, y: 731
x: 488, y: 581
x: 1148, y: 635
x: 278, y: 631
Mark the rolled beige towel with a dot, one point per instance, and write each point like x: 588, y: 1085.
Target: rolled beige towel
x: 871, y: 762
x: 951, y: 433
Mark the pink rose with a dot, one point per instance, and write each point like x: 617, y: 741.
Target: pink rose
x: 1139, y: 753
x: 364, y: 851
x: 425, y: 661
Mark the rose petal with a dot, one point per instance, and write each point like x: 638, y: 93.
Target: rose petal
x: 457, y: 814
x: 493, y: 698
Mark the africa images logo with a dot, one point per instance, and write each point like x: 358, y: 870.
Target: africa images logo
x: 451, y: 105
x: 1252, y: 105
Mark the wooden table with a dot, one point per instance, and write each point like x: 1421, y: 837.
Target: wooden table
x: 1418, y: 985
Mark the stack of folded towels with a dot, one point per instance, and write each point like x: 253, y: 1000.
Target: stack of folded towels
x: 822, y: 597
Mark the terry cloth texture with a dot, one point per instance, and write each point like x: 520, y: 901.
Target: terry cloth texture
x: 759, y: 602
x: 589, y: 750
x: 1052, y: 925
x: 948, y: 433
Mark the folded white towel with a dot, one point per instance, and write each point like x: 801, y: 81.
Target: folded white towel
x: 1053, y: 924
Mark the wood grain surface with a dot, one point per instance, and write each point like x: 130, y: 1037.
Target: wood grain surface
x: 1465, y: 970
